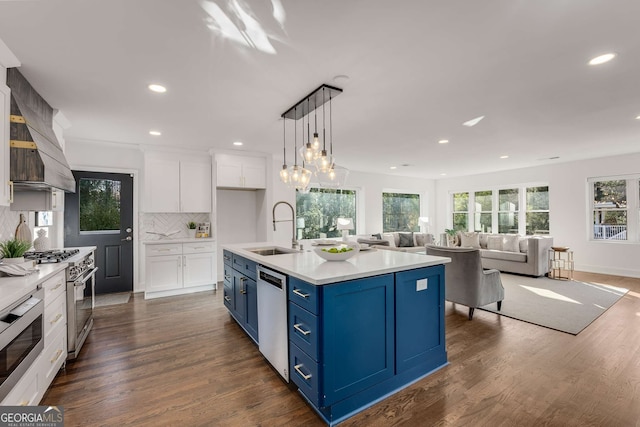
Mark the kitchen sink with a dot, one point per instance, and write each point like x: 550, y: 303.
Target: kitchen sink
x: 273, y: 250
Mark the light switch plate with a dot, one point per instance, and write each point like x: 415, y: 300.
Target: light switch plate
x: 422, y: 284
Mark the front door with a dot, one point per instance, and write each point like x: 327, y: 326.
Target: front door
x: 100, y: 213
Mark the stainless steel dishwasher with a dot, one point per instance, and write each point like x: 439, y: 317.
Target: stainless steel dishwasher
x: 272, y: 319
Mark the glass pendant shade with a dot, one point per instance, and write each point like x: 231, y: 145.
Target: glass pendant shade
x: 284, y: 174
x: 335, y: 177
x: 308, y: 154
x: 323, y: 162
x: 316, y: 142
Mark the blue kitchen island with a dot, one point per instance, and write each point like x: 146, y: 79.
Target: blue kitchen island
x: 358, y: 330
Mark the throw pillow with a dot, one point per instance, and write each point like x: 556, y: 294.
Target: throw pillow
x: 376, y: 236
x: 511, y: 243
x: 389, y: 238
x: 406, y: 240
x: 494, y: 242
x: 483, y: 240
x: 524, y: 245
x: 470, y: 240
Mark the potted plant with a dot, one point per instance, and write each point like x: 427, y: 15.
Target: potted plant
x: 452, y: 236
x: 192, y: 228
x: 13, y: 250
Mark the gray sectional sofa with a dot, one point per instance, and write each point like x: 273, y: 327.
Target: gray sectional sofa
x: 398, y: 241
x: 511, y: 253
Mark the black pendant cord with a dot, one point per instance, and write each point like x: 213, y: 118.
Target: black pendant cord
x: 324, y: 132
x: 331, y: 129
x: 315, y: 118
x: 295, y: 140
x: 284, y: 140
x: 308, y: 126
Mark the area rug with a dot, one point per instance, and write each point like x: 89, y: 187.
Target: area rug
x: 112, y: 299
x: 565, y: 305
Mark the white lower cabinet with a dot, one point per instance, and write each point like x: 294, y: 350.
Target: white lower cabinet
x: 178, y: 268
x: 35, y: 382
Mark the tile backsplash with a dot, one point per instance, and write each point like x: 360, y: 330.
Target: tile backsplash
x: 9, y: 221
x: 167, y: 223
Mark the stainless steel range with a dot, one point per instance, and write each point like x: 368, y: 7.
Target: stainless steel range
x: 80, y: 277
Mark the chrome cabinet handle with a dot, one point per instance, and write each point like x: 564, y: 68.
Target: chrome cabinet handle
x: 127, y: 239
x: 57, y: 286
x: 11, y: 196
x: 299, y: 329
x: 305, y: 377
x: 227, y: 299
x: 300, y: 294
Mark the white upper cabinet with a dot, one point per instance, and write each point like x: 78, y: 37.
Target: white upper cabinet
x: 5, y: 97
x: 241, y: 172
x: 176, y: 185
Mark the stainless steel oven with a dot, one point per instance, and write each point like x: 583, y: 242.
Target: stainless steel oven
x: 81, y: 277
x: 21, y: 339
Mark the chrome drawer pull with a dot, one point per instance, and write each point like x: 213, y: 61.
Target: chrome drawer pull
x: 299, y: 329
x: 300, y: 294
x: 56, y: 319
x: 305, y: 377
x: 227, y: 299
x: 57, y: 286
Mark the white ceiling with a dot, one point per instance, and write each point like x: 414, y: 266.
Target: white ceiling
x: 417, y: 70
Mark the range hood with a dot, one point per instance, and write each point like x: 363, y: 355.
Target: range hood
x: 37, y: 160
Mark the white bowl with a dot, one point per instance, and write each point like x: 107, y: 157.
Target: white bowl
x: 340, y: 256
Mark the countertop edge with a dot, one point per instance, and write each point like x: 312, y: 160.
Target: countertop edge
x: 410, y: 261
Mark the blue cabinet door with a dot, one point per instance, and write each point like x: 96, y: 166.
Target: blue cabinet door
x: 239, y: 291
x: 419, y: 318
x: 357, y: 336
x: 252, y: 308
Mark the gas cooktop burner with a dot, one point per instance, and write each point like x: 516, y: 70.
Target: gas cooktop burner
x: 54, y: 255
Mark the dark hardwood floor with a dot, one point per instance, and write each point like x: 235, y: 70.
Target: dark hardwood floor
x: 183, y: 361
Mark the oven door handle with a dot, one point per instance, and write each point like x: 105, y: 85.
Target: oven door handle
x: 79, y: 283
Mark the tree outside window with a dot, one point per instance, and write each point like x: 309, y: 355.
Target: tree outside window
x: 99, y: 204
x: 610, y: 210
x: 318, y: 211
x: 461, y: 211
x: 483, y: 209
x: 537, y: 210
x: 400, y: 212
x: 508, y: 205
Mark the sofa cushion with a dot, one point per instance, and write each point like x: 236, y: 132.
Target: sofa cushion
x: 406, y: 240
x: 483, y: 240
x: 511, y: 243
x: 524, y: 245
x: 373, y: 241
x: 389, y: 237
x: 494, y: 242
x: 470, y: 240
x: 503, y: 255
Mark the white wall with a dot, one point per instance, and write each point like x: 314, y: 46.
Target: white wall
x: 569, y: 217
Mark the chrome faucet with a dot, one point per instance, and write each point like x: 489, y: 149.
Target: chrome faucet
x: 294, y: 242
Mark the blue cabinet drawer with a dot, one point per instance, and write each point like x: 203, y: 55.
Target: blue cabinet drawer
x: 227, y: 257
x: 228, y: 275
x: 303, y: 371
x: 304, y: 294
x: 245, y: 266
x: 228, y: 297
x: 303, y: 330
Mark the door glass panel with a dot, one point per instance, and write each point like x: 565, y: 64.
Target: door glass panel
x: 99, y: 205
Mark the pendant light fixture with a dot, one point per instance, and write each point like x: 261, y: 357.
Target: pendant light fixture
x: 284, y: 172
x: 299, y: 177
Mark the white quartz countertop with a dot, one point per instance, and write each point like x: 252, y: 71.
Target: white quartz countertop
x: 183, y: 240
x: 12, y: 289
x: 311, y: 268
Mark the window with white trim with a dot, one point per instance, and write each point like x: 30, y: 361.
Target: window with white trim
x: 400, y: 212
x: 537, y: 218
x: 318, y: 210
x: 483, y: 211
x: 615, y: 208
x: 460, y: 202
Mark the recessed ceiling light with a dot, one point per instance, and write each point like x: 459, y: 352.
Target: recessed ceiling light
x: 238, y: 143
x: 393, y: 167
x: 443, y: 141
x: 443, y: 174
x: 157, y: 88
x: 155, y: 132
x: 473, y: 122
x: 504, y: 157
x: 602, y: 59
x: 638, y: 117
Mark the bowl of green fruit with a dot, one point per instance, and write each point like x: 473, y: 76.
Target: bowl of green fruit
x: 339, y: 252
